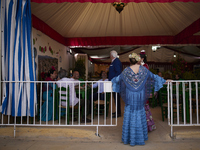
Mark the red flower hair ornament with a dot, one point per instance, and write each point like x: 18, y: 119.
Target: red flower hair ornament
x: 53, y: 68
x: 142, y: 52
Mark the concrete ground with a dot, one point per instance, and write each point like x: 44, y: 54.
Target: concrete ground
x: 37, y: 138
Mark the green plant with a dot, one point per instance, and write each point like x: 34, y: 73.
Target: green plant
x: 167, y: 75
x: 197, y: 73
x: 153, y: 71
x: 80, y: 67
x: 179, y: 66
x: 189, y: 76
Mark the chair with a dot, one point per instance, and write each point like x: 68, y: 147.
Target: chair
x: 153, y: 99
x: 180, y: 101
x: 164, y: 105
x: 162, y: 93
x: 103, y: 104
x: 65, y: 98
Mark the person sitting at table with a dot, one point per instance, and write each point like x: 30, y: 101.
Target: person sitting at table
x: 177, y: 77
x: 160, y: 74
x: 100, y: 91
x: 48, y: 94
x: 167, y: 76
x: 62, y: 71
x: 73, y: 99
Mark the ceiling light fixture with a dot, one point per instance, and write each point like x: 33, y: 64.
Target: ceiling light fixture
x: 154, y: 48
x: 69, y: 51
x: 174, y: 54
x: 119, y: 6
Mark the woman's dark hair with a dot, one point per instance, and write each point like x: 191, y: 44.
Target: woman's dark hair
x: 102, y: 73
x: 51, y: 71
x: 143, y: 56
x: 133, y: 61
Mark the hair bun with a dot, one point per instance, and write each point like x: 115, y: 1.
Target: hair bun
x: 136, y: 56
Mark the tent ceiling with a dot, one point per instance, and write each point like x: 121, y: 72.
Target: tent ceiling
x: 101, y: 19
x: 88, y: 20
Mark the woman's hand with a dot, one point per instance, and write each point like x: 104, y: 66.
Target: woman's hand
x: 169, y: 80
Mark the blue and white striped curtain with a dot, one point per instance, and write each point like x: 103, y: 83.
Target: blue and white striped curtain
x: 18, y: 99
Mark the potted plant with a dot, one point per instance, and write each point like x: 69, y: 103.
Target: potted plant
x: 189, y: 76
x: 80, y: 67
x: 179, y: 66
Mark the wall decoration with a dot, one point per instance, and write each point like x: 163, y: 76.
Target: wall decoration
x: 50, y: 49
x: 42, y: 49
x: 57, y: 54
x: 33, y: 41
x: 44, y: 65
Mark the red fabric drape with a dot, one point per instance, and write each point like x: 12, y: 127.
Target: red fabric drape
x: 96, y: 41
x: 44, y: 28
x: 111, y: 1
x: 189, y: 31
x: 124, y: 40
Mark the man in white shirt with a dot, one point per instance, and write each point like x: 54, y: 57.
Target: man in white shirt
x: 101, y: 87
x: 72, y: 82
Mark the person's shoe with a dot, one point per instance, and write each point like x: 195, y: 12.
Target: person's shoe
x: 87, y: 120
x: 114, y: 116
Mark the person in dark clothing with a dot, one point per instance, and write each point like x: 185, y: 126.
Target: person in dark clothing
x: 114, y: 70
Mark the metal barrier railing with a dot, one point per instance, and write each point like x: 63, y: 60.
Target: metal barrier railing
x: 183, y: 103
x: 48, y: 109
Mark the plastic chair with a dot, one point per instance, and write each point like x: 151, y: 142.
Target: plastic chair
x: 65, y: 95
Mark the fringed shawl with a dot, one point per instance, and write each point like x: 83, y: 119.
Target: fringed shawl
x: 136, y: 86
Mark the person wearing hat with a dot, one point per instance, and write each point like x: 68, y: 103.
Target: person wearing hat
x: 134, y: 85
x: 144, y: 59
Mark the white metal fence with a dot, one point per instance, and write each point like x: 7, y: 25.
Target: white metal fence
x: 183, y: 103
x: 50, y: 111
x: 182, y: 97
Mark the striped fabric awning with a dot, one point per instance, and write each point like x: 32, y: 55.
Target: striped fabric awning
x: 18, y: 64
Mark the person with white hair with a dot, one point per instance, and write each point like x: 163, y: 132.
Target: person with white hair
x: 61, y: 74
x: 115, y: 69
